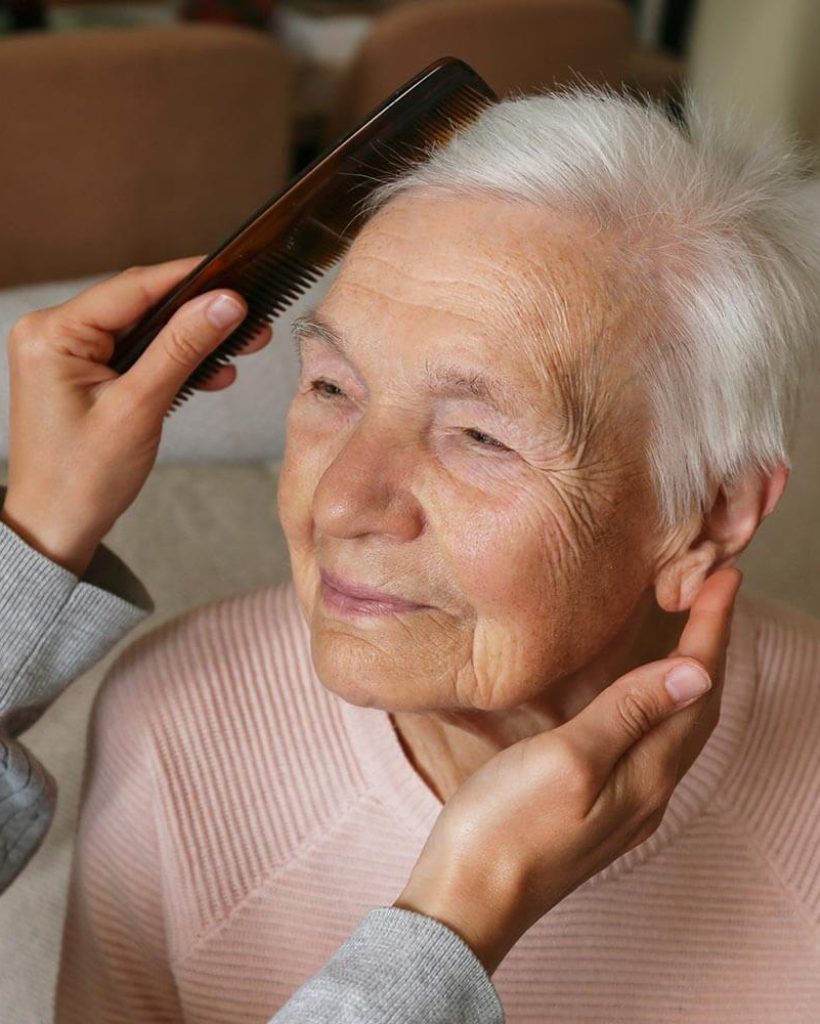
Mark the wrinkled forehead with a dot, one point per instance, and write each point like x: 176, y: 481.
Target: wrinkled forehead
x: 541, y: 293
x: 540, y: 285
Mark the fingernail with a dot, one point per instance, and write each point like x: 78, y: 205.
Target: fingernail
x: 223, y: 311
x: 685, y: 682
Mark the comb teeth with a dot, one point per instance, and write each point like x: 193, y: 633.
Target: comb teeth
x: 289, y: 243
x: 269, y: 288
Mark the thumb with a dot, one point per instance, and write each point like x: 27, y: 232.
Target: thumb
x: 631, y: 707
x: 192, y: 333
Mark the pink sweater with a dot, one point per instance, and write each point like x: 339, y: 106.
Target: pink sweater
x: 239, y: 820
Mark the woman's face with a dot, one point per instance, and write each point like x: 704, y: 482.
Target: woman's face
x: 521, y: 519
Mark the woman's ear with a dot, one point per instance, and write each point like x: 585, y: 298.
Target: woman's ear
x: 725, y: 530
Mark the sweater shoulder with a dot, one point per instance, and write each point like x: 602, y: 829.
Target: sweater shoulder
x: 787, y: 652
x: 778, y: 778
x: 772, y: 615
x: 251, y: 756
x: 248, y: 652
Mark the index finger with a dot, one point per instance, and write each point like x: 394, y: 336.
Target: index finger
x: 706, y: 632
x: 676, y: 742
x: 118, y: 302
x: 598, y: 731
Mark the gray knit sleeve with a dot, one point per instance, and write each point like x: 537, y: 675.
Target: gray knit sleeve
x: 397, y: 965
x: 53, y: 626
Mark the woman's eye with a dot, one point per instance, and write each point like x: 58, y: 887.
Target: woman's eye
x: 325, y: 391
x: 485, y: 440
x: 318, y: 386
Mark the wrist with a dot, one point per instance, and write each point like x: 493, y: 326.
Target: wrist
x: 74, y: 553
x: 482, y: 911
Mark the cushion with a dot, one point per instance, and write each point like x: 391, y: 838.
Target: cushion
x: 243, y: 421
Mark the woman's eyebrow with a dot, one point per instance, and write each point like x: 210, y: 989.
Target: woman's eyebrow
x: 311, y: 323
x: 504, y: 394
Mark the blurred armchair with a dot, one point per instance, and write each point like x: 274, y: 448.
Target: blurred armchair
x: 516, y: 45
x: 135, y: 145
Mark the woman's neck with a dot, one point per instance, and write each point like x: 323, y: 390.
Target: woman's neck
x: 446, y: 747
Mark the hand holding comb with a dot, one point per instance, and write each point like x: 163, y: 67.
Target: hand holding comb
x: 287, y: 244
x: 81, y: 447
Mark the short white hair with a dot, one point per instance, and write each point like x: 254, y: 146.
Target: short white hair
x: 723, y: 226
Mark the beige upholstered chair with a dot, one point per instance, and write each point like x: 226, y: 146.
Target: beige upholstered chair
x: 135, y: 145
x: 515, y: 44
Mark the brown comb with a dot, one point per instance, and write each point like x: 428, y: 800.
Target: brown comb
x: 287, y: 244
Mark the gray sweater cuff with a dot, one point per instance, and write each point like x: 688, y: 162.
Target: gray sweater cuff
x: 398, y: 965
x: 54, y: 625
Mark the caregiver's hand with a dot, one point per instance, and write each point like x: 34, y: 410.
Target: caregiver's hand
x: 84, y: 438
x: 554, y: 809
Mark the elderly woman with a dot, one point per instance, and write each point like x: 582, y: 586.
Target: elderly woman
x: 546, y: 397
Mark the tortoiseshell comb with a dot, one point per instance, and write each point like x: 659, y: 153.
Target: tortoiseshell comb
x: 287, y: 244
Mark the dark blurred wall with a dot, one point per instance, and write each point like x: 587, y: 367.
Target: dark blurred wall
x: 664, y: 23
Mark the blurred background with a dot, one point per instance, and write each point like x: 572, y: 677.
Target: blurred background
x: 141, y: 131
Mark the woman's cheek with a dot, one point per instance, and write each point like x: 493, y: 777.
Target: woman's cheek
x: 488, y: 512
x: 313, y: 437
x: 301, y: 470
x: 312, y: 416
x: 493, y: 547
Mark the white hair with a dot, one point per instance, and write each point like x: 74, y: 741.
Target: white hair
x: 722, y: 228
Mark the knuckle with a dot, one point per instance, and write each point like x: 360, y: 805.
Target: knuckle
x: 28, y: 343
x: 62, y: 326
x: 26, y: 334
x: 181, y: 346
x: 636, y: 713
x: 23, y: 326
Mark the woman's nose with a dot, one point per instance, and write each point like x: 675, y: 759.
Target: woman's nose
x: 368, y: 486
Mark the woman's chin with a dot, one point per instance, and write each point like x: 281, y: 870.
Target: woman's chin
x: 355, y: 673
x: 354, y: 691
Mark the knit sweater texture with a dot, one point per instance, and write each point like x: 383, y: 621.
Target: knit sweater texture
x: 239, y: 819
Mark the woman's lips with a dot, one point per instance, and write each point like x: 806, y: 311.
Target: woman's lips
x: 356, y: 599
